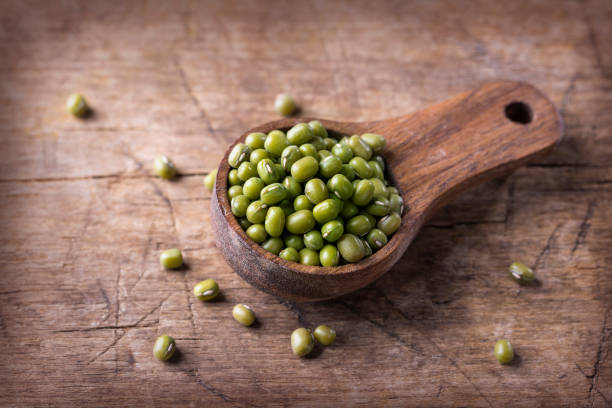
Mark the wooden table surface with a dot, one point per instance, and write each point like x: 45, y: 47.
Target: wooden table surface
x: 82, y: 220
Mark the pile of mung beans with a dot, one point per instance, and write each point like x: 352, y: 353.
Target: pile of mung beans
x: 311, y: 198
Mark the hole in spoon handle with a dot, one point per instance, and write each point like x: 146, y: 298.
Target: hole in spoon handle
x: 472, y: 137
x: 519, y: 112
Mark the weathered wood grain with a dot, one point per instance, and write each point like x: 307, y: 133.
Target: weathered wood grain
x: 82, y: 222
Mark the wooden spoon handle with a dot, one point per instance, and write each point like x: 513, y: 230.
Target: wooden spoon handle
x: 437, y: 152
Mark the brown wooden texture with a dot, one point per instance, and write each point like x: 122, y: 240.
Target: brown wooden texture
x: 432, y: 155
x: 82, y: 297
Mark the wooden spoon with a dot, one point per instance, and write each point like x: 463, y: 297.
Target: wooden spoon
x: 431, y: 155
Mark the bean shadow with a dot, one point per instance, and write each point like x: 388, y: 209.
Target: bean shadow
x: 516, y: 362
x: 316, y: 352
x: 89, y: 115
x: 176, y: 358
x: 183, y: 268
x: 257, y: 324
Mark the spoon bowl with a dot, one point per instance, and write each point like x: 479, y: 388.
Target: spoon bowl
x: 430, y: 156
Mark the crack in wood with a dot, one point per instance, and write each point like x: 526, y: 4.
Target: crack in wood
x: 194, y: 100
x: 185, y: 19
x: 589, y: 377
x: 110, y: 327
x: 440, y: 388
x: 106, y: 129
x: 566, y: 95
x: 437, y: 347
x: 117, y: 302
x: 11, y: 292
x: 210, y: 388
x: 189, y: 304
x: 464, y: 223
x: 329, y: 60
x: 59, y: 179
x: 192, y: 199
x: 69, y: 258
x: 116, y: 326
x: 170, y: 207
x: 143, y: 261
x: 106, y: 301
x: 293, y: 308
x: 603, y: 181
x: 544, y: 252
x: 167, y: 201
x: 195, y: 373
x: 595, y: 46
x: 117, y: 338
x: 601, y: 357
x: 120, y: 176
x: 584, y: 226
x: 127, y: 152
x: 213, y: 390
x: 115, y: 341
x: 383, y: 328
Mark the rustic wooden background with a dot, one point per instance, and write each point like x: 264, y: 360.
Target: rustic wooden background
x: 82, y: 220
